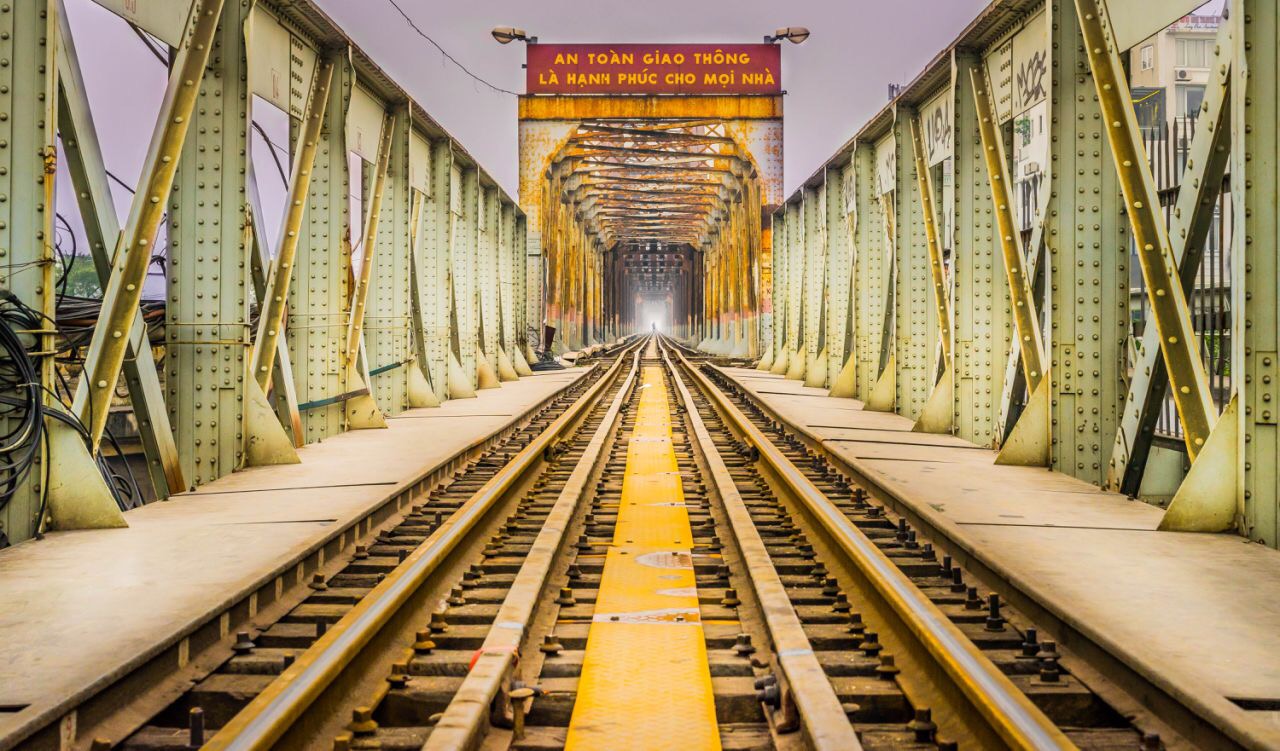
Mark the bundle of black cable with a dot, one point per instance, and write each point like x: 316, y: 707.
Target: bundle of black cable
x: 21, y: 405
x: 23, y: 412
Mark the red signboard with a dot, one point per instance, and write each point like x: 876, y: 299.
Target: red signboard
x: 654, y: 69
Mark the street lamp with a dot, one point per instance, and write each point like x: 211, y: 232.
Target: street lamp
x: 793, y: 34
x: 509, y: 34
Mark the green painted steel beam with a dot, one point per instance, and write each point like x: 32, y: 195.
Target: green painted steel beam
x: 89, y: 182
x: 1255, y: 273
x: 982, y: 318
x: 169, y: 144
x: 1170, y: 311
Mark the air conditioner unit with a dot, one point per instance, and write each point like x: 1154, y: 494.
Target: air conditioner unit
x: 1182, y: 75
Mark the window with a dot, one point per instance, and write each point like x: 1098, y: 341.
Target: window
x: 1148, y: 57
x: 1193, y: 53
x: 1189, y: 100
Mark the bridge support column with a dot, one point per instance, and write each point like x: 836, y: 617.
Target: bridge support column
x: 915, y: 326
x: 207, y: 316
x: 866, y: 235
x: 814, y: 216
x: 982, y: 317
x: 839, y: 323
x: 89, y: 182
x: 1088, y: 280
x: 1255, y: 268
x: 936, y: 415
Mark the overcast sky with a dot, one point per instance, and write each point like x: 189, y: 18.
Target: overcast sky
x: 834, y: 81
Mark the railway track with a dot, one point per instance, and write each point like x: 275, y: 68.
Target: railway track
x: 482, y: 620
x: 262, y: 655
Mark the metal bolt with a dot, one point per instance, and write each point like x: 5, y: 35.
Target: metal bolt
x: 439, y: 623
x: 767, y: 691
x: 566, y: 597
x: 361, y: 553
x: 971, y: 600
x: 957, y: 580
x: 317, y: 582
x: 342, y: 742
x: 995, y: 621
x: 519, y: 705
x: 1048, y: 656
x: 456, y: 598
x: 901, y: 535
x: 830, y: 587
x: 731, y: 598
x: 743, y: 646
x: 870, y: 645
x: 551, y: 645
x: 422, y: 643
x: 574, y: 572
x: 856, y: 626
x: 1030, y: 647
x: 841, y: 605
x: 244, y: 645
x: 923, y: 726
x: 362, y: 722
x: 887, y: 668
x: 945, y: 567
x: 399, y: 677
x: 911, y: 543
x: 195, y: 727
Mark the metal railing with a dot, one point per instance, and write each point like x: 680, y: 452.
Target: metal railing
x: 1168, y: 146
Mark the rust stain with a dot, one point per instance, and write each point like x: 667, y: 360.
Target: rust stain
x: 650, y: 107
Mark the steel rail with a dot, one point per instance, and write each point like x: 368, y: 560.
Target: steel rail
x: 462, y: 724
x: 990, y: 695
x: 266, y: 719
x: 1207, y: 720
x: 825, y: 723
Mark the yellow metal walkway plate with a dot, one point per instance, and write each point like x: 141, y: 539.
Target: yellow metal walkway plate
x: 645, y: 682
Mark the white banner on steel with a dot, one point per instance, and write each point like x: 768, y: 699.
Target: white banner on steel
x: 886, y: 164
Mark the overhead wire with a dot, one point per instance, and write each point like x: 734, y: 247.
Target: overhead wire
x: 275, y: 150
x: 447, y: 56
